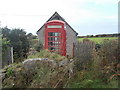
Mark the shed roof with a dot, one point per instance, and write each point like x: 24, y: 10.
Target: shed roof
x: 56, y: 16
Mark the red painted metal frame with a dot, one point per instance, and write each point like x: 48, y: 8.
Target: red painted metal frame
x: 62, y: 36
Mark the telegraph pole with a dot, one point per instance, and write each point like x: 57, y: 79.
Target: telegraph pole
x: 0, y: 57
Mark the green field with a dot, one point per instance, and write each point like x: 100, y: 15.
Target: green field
x: 98, y: 39
x: 95, y: 39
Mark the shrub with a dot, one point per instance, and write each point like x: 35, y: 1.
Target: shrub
x: 109, y: 51
x: 83, y: 53
x: 39, y: 47
x: 101, y: 66
x: 9, y: 72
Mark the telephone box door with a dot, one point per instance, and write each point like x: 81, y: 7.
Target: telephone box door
x: 55, y: 40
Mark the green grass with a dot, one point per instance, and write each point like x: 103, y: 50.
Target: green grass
x: 88, y: 80
x: 47, y: 54
x: 99, y: 39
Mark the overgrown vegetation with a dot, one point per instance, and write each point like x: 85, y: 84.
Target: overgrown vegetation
x: 92, y: 68
x: 38, y: 74
x: 39, y: 46
x: 100, y: 71
x: 5, y: 44
x: 47, y: 54
x: 18, y: 40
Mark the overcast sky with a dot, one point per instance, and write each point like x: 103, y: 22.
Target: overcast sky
x: 87, y: 17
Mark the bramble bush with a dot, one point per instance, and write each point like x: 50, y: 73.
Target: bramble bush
x: 96, y: 69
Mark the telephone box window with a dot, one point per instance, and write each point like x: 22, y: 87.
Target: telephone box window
x: 53, y: 48
x: 53, y: 34
x: 54, y: 26
x: 53, y: 43
x: 53, y: 39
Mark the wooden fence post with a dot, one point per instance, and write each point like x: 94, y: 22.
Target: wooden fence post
x: 7, y: 57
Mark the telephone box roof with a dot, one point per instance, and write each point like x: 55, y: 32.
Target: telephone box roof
x: 56, y: 21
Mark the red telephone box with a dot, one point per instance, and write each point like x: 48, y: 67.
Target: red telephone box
x: 55, y: 37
